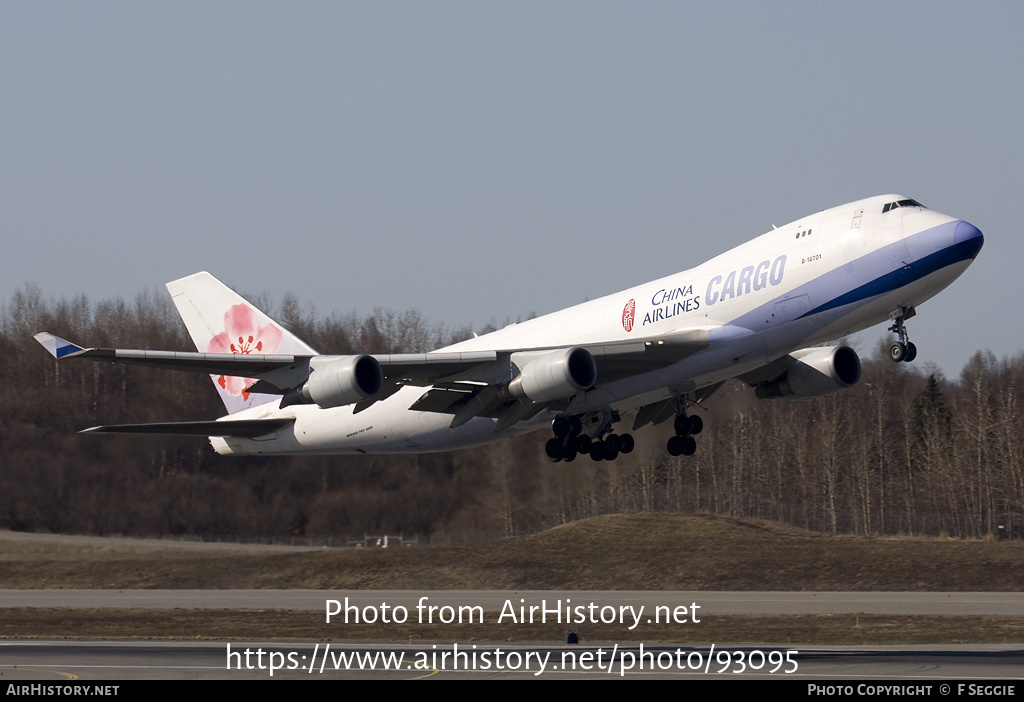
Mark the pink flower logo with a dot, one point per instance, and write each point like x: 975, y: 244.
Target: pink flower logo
x: 243, y: 334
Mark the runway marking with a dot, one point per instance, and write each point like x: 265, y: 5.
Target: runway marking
x: 433, y: 671
x: 115, y: 667
x: 66, y: 676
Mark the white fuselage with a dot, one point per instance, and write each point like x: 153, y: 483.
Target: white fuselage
x: 819, y: 278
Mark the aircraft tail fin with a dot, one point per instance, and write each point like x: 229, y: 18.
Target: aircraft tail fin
x: 219, y: 320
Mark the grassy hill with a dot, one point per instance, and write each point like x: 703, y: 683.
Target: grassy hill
x: 646, y: 551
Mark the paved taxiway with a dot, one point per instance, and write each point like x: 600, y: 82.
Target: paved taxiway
x: 906, y: 603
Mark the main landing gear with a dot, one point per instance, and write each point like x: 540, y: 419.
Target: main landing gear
x: 571, y: 440
x: 686, y: 426
x: 592, y: 434
x: 904, y: 349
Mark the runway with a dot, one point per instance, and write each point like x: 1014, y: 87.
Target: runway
x: 150, y: 660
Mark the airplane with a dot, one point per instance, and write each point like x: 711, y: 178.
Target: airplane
x: 759, y: 312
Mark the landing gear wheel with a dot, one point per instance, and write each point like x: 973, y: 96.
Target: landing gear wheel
x: 626, y: 443
x: 560, y: 426
x: 563, y: 426
x: 902, y: 350
x: 682, y: 425
x: 686, y: 426
x: 553, y: 449
x: 696, y: 425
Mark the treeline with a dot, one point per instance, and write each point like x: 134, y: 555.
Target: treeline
x: 903, y: 452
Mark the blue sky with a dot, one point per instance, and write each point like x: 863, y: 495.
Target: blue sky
x: 484, y: 161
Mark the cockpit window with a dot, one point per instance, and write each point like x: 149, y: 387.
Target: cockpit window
x: 901, y: 203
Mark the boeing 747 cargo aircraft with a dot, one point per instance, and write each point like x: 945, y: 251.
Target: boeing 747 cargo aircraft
x: 759, y: 312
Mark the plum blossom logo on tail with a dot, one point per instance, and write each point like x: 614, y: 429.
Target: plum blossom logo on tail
x: 243, y: 335
x: 628, y: 314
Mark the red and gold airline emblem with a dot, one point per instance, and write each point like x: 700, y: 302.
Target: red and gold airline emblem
x: 628, y: 314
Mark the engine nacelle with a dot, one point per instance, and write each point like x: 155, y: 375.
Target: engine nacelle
x: 342, y: 382
x: 555, y: 375
x: 814, y: 372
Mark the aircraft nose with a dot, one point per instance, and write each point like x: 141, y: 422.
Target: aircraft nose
x: 969, y: 238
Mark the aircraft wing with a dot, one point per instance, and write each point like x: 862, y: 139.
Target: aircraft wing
x: 614, y: 360
x: 419, y: 368
x: 247, y: 365
x: 464, y: 383
x: 509, y: 403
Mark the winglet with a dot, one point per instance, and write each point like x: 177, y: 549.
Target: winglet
x: 58, y: 348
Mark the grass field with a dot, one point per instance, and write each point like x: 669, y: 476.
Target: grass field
x: 644, y: 551
x: 624, y: 552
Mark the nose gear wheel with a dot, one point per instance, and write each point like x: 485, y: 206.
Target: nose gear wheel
x: 904, y: 349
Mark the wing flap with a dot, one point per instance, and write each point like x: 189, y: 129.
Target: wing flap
x: 425, y: 368
x: 443, y: 400
x: 624, y: 359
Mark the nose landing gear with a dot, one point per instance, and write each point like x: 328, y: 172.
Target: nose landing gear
x: 904, y: 349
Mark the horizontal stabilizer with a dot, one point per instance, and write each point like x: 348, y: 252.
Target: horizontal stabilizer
x: 247, y: 428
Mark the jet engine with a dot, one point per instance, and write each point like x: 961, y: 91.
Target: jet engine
x: 555, y: 375
x: 341, y: 382
x: 813, y: 372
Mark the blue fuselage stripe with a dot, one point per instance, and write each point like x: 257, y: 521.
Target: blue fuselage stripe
x: 904, y: 275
